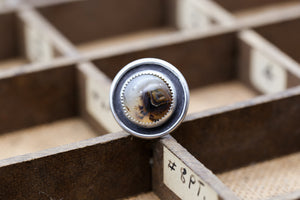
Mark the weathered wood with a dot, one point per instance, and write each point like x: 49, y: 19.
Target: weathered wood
x: 249, y: 41
x: 190, y: 161
x: 84, y: 21
x: 108, y: 167
x: 29, y: 99
x: 87, y: 71
x: 195, y: 58
x: 9, y: 39
x: 247, y: 132
x: 233, y: 6
x: 284, y: 35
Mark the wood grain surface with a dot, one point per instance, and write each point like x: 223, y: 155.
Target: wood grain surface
x: 109, y: 167
x: 30, y: 99
x: 84, y: 21
x: 45, y: 136
x: 247, y: 132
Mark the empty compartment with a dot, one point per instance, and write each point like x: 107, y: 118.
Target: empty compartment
x: 284, y: 35
x: 218, y: 69
x: 40, y: 109
x: 93, y: 24
x: 23, y: 42
x: 252, y: 147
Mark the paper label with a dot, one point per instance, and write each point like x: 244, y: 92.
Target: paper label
x: 183, y: 181
x: 37, y: 45
x: 97, y: 102
x: 266, y: 75
x: 189, y: 16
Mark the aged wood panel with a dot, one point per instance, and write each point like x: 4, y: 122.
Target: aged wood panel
x: 206, y: 175
x: 233, y: 6
x: 109, y: 167
x: 238, y: 135
x: 244, y: 63
x: 284, y: 35
x: 83, y: 21
x: 9, y: 39
x: 33, y: 98
x: 202, y: 61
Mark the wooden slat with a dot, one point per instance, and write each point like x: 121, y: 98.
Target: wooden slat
x: 61, y: 45
x: 109, y: 167
x: 191, y: 162
x: 247, y: 132
x: 87, y: 74
x: 249, y: 41
x: 9, y: 39
x: 185, y: 55
x: 94, y: 19
x: 284, y: 35
x: 233, y: 6
x: 38, y: 97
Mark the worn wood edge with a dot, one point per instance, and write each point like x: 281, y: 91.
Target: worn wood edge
x: 260, y: 43
x: 244, y: 104
x: 270, y: 16
x: 215, y: 11
x: 63, y: 45
x: 88, y: 70
x: 91, y: 70
x: 289, y: 196
x: 157, y: 41
x: 65, y: 148
x: 36, y: 67
x: 197, y: 167
x: 44, y: 3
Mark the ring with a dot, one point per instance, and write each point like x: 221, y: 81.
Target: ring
x: 149, y: 98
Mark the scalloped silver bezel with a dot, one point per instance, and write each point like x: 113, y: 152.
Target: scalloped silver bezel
x: 173, y: 99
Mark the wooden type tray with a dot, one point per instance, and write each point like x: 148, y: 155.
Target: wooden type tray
x: 240, y: 139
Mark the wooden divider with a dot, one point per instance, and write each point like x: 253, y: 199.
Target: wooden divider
x: 108, y: 167
x: 240, y: 61
x: 177, y: 173
x: 237, y: 135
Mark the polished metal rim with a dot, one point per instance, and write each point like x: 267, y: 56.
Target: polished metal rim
x: 164, y: 68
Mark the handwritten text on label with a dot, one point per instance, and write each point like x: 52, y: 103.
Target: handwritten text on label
x: 183, y: 181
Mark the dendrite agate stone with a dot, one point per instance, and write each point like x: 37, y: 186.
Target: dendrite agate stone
x: 148, y: 99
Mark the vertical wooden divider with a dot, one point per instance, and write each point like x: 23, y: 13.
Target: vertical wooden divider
x: 94, y: 98
x: 177, y: 174
x: 264, y: 67
x: 42, y: 42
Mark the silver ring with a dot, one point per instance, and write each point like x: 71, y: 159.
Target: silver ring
x: 149, y: 98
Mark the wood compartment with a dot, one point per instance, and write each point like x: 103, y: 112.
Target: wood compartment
x: 253, y: 148
x: 98, y: 24
x: 114, y: 166
x: 23, y: 41
x: 11, y: 53
x: 216, y: 67
x: 284, y: 35
x: 41, y: 110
